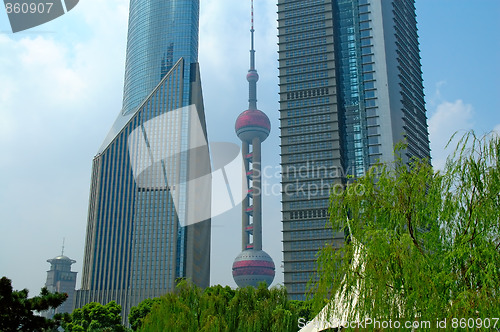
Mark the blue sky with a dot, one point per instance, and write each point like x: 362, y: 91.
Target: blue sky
x: 61, y: 88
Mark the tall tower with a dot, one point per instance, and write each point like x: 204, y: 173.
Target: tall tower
x: 350, y: 90
x: 253, y: 265
x: 146, y: 229
x: 61, y: 279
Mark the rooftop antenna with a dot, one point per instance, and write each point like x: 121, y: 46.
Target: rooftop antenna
x: 62, y: 251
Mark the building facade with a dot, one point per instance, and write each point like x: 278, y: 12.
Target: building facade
x: 61, y: 279
x: 144, y: 232
x: 350, y: 90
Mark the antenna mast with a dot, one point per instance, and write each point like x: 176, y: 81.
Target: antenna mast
x: 252, y: 76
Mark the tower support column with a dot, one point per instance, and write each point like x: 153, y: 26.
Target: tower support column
x: 245, y: 219
x: 257, y: 195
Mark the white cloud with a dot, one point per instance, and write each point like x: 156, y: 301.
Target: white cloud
x: 59, y: 93
x: 448, y: 118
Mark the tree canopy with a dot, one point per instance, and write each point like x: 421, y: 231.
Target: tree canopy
x: 18, y: 312
x: 421, y: 245
x: 95, y: 316
x: 138, y: 313
x: 219, y: 308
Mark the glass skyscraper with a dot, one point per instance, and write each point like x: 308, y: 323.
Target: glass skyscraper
x: 142, y: 236
x: 350, y: 90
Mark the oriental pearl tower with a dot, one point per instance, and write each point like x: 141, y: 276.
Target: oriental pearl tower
x: 253, y: 265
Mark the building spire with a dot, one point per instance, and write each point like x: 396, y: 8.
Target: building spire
x: 62, y: 251
x: 252, y: 51
x: 252, y: 76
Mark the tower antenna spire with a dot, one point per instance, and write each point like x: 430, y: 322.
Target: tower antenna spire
x: 252, y: 50
x: 252, y: 15
x: 252, y: 76
x: 62, y: 251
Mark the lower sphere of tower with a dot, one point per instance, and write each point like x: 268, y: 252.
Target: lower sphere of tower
x: 251, y: 124
x: 252, y: 267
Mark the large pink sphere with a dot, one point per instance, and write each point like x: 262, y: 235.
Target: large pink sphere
x: 252, y: 267
x: 251, y: 124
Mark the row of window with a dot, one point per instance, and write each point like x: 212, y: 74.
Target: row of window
x: 306, y: 60
x: 297, y: 288
x: 312, y: 188
x: 314, y: 173
x: 308, y: 93
x: 305, y: 27
x: 306, y: 77
x: 309, y: 223
x: 309, y: 234
x: 311, y: 156
x: 297, y: 167
x: 305, y: 43
x: 308, y: 102
x: 304, y: 266
x: 316, y: 203
x: 302, y: 214
x: 302, y: 4
x: 309, y: 147
x: 305, y: 245
x: 308, y: 111
x: 304, y: 11
x: 303, y: 255
x: 306, y: 68
x: 309, y: 119
x: 306, y: 85
x: 306, y: 52
x: 307, y: 35
x: 309, y: 138
x: 304, y: 19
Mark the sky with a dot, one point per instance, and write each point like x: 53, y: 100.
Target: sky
x: 61, y: 88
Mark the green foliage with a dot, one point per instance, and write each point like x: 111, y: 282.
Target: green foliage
x: 423, y: 244
x: 137, y: 314
x: 17, y: 312
x: 95, y: 316
x: 220, y: 308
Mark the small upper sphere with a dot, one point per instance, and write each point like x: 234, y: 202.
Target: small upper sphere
x: 252, y: 76
x: 251, y: 124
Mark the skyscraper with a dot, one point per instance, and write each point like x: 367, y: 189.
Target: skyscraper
x: 144, y: 232
x: 350, y: 90
x: 253, y: 265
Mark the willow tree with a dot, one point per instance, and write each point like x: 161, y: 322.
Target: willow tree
x: 421, y: 245
x: 219, y: 308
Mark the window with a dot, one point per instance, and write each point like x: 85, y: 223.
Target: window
x: 370, y: 94
x: 372, y: 130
